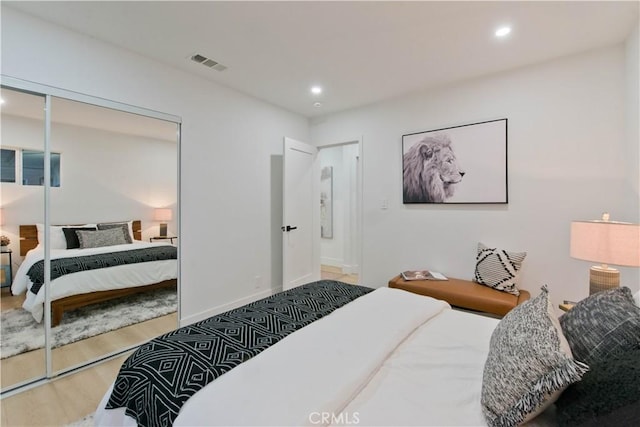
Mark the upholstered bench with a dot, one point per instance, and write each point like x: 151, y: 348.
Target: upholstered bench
x: 463, y: 294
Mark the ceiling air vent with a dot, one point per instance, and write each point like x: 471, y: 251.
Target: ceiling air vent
x: 200, y: 59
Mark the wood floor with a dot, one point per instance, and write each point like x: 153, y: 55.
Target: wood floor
x: 68, y: 399
x: 329, y: 272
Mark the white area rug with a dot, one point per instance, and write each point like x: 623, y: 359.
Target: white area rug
x: 20, y: 333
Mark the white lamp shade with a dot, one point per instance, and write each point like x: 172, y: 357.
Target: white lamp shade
x: 163, y: 214
x: 606, y: 242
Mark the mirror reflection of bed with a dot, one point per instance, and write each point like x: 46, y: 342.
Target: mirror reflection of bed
x: 97, y: 323
x: 114, y: 167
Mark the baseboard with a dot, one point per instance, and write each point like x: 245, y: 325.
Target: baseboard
x: 333, y: 262
x: 349, y: 269
x: 225, y: 307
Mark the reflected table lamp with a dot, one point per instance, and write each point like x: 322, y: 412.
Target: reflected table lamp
x: 163, y: 215
x: 606, y: 242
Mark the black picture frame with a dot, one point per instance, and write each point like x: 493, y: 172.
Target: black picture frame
x: 465, y: 164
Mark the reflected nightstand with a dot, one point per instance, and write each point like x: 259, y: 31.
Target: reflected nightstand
x: 6, y: 273
x: 170, y: 238
x: 567, y: 305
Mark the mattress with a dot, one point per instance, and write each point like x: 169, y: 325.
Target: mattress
x: 388, y: 358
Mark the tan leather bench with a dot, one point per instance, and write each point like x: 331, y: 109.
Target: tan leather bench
x: 464, y: 294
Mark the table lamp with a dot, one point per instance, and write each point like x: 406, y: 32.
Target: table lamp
x: 163, y: 215
x: 606, y: 242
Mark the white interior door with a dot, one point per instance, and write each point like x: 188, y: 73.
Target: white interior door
x: 301, y: 214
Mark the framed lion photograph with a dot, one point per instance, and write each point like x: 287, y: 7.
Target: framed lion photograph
x: 459, y: 164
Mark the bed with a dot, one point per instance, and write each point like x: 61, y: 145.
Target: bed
x: 73, y: 290
x: 385, y: 357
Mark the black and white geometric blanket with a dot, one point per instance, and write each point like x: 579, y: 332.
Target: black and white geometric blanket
x: 156, y: 380
x: 62, y: 266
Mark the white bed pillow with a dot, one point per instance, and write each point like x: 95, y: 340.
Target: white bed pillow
x: 56, y: 235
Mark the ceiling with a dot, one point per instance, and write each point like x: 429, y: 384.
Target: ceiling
x: 359, y: 52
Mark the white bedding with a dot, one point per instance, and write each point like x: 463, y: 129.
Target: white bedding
x: 388, y: 358
x: 117, y: 277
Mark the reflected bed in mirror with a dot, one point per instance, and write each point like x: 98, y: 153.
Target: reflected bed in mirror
x: 112, y: 297
x: 116, y: 162
x: 93, y: 272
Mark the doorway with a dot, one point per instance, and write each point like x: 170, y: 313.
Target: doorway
x: 340, y: 246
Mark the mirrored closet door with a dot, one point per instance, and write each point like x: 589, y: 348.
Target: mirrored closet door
x: 22, y: 338
x: 110, y: 173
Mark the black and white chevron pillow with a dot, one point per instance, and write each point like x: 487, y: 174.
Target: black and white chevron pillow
x: 498, y: 268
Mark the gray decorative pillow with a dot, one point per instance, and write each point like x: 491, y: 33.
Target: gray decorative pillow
x: 607, y: 395
x: 498, y: 268
x: 122, y: 225
x: 528, y: 366
x: 604, y: 324
x: 99, y: 238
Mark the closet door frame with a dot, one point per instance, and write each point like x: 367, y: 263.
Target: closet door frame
x: 48, y: 92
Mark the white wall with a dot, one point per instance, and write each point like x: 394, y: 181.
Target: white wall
x: 105, y: 176
x: 567, y: 153
x: 231, y: 184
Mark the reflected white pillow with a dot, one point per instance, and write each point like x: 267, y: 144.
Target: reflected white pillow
x: 56, y: 235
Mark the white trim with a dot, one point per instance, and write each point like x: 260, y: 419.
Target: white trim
x: 333, y: 262
x: 359, y: 140
x: 226, y: 307
x: 47, y: 236
x: 350, y: 269
x: 39, y: 89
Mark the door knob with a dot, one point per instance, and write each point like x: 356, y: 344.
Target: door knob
x: 288, y: 228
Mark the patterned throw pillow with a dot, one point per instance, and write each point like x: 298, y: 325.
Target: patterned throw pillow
x: 71, y: 236
x: 99, y: 238
x: 498, y: 269
x: 121, y: 225
x: 604, y: 324
x: 528, y: 366
x: 608, y: 395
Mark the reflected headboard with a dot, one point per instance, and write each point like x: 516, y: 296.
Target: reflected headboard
x: 29, y: 235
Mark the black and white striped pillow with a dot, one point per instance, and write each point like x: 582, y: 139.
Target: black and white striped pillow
x: 498, y: 268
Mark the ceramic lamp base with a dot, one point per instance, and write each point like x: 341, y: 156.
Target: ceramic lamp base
x: 603, y: 279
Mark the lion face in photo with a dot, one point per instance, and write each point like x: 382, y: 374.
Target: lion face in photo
x: 431, y: 171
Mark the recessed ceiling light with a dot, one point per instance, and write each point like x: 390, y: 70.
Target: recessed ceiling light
x: 317, y: 104
x: 503, y: 31
x: 316, y: 90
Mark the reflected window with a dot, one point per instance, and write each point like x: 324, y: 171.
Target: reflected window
x: 8, y: 165
x: 33, y: 168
